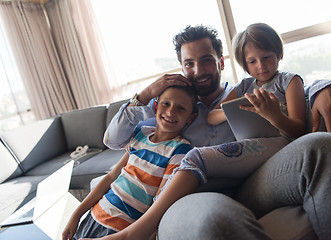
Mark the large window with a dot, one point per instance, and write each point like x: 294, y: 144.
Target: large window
x: 309, y: 57
x: 138, y: 34
x: 283, y: 15
x: 138, y: 40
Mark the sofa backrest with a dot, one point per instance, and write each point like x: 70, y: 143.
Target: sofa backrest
x: 35, y: 143
x: 85, y: 127
x: 9, y: 166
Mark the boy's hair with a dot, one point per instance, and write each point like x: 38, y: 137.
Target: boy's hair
x: 190, y: 92
x: 191, y: 34
x: 262, y: 36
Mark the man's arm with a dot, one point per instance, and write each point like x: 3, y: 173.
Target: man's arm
x: 320, y: 99
x: 123, y: 124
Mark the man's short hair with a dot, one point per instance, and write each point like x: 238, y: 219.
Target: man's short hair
x: 191, y: 34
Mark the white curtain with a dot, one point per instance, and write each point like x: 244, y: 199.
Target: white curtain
x: 37, y: 59
x: 79, y: 54
x: 93, y: 47
x: 60, y: 65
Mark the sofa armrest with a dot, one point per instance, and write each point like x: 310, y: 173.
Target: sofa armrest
x: 9, y: 166
x: 36, y: 143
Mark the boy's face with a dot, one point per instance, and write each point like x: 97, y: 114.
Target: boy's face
x: 202, y: 66
x: 174, y: 111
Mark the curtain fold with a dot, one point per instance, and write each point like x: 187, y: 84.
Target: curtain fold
x: 93, y: 47
x: 70, y: 51
x: 37, y: 59
x: 59, y: 54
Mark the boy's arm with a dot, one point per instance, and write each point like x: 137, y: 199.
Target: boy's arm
x: 217, y: 116
x: 174, y: 162
x: 183, y: 183
x: 93, y: 197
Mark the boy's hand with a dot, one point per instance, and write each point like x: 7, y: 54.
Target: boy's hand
x: 70, y: 229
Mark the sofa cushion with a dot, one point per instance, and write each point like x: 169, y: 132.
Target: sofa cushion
x: 113, y: 109
x: 288, y: 223
x: 49, y: 167
x: 85, y: 127
x: 93, y: 167
x: 36, y: 143
x: 9, y: 166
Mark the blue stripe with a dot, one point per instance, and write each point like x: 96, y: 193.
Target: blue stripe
x: 140, y: 137
x: 152, y: 157
x: 117, y: 202
x: 171, y: 143
x: 182, y: 149
x: 134, y: 191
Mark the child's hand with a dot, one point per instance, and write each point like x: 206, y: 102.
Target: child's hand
x: 264, y: 103
x: 70, y: 229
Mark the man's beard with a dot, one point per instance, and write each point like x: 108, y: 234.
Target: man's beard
x: 208, y: 89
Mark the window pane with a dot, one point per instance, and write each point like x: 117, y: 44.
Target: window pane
x: 138, y: 34
x: 10, y: 123
x: 282, y: 15
x: 311, y: 58
x: 7, y: 105
x: 13, y: 96
x: 227, y: 73
x: 28, y: 117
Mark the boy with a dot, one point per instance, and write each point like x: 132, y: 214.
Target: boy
x: 126, y: 192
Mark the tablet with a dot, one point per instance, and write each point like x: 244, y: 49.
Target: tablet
x: 245, y: 124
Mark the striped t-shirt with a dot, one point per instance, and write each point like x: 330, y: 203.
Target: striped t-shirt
x: 132, y: 193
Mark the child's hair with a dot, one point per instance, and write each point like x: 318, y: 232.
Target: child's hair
x: 262, y: 36
x: 191, y: 34
x: 190, y: 91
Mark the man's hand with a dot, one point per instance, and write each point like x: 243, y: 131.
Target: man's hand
x: 157, y: 87
x: 322, y: 107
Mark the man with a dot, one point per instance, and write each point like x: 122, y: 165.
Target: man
x: 200, y: 54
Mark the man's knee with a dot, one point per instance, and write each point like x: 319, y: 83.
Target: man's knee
x: 206, y: 216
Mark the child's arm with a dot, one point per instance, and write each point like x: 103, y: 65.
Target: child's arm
x: 183, y: 183
x: 267, y: 105
x: 93, y: 197
x: 217, y: 116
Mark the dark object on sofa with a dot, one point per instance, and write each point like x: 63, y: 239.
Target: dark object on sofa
x: 32, y: 152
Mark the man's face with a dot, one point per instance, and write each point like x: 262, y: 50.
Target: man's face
x: 201, y: 65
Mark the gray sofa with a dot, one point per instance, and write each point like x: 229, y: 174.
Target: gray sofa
x: 32, y: 152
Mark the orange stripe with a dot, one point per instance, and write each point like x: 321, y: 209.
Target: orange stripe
x: 143, y: 176
x: 170, y: 168
x: 105, y: 218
